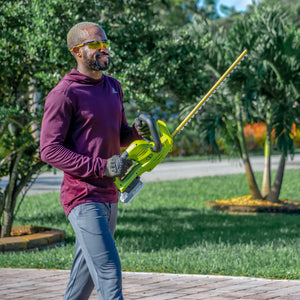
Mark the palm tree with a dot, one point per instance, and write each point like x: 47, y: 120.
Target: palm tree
x: 277, y: 86
x: 264, y: 87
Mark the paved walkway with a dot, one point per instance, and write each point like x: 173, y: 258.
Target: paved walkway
x: 36, y: 284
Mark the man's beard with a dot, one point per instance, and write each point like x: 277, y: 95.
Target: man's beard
x: 94, y: 63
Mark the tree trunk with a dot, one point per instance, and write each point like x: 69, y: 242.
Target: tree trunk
x: 34, y: 97
x: 276, y: 187
x: 266, y: 184
x: 9, y: 215
x: 11, y: 197
x: 254, y: 190
x: 2, y: 202
x: 7, y: 223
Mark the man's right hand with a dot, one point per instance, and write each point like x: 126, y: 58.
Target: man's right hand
x: 117, y: 166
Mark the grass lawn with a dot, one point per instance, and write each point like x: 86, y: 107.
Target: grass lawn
x: 167, y: 228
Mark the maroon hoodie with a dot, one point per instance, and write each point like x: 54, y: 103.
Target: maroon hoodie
x: 83, y: 125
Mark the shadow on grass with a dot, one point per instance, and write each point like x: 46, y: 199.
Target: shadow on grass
x: 171, y: 228
x: 53, y: 218
x: 175, y: 227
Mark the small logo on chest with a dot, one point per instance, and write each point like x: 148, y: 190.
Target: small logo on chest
x: 114, y: 91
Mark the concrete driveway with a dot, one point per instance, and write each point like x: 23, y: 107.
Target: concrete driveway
x: 50, y: 182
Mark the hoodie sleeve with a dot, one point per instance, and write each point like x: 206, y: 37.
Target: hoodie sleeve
x: 55, y: 127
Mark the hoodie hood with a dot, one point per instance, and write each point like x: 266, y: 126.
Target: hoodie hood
x: 76, y: 76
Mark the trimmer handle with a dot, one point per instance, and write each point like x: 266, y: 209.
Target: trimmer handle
x: 153, y: 130
x: 154, y: 133
x: 144, y: 159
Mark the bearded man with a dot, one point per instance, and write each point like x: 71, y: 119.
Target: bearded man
x: 83, y: 128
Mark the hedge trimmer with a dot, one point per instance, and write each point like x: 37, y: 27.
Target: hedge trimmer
x: 146, y: 155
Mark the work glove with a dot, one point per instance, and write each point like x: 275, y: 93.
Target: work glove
x: 117, y: 166
x: 142, y: 128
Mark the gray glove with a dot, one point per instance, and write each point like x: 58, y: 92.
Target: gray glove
x: 117, y: 166
x: 142, y: 128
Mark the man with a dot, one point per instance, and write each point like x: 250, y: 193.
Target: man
x: 83, y: 128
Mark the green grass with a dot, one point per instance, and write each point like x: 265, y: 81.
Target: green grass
x: 167, y: 228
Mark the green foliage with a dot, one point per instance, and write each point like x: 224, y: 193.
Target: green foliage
x: 134, y: 37
x: 265, y: 84
x: 33, y: 57
x: 199, y: 52
x: 278, y: 84
x: 268, y: 78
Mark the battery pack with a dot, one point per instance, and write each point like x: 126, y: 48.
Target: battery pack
x: 127, y: 197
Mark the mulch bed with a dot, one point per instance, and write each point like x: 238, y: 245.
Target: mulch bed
x: 245, y: 204
x: 26, y: 230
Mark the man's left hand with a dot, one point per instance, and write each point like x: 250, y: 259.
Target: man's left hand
x: 142, y: 128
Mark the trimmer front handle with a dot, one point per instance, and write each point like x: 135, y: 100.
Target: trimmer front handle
x: 153, y: 130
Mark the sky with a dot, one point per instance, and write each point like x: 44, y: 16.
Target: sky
x: 239, y: 5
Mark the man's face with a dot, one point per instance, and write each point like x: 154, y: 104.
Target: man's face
x: 95, y: 59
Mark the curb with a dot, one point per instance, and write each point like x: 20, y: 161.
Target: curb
x: 47, y: 238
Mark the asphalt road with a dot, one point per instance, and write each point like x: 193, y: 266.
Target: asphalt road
x: 50, y: 182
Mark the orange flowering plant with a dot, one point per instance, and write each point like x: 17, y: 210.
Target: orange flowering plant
x: 255, y: 135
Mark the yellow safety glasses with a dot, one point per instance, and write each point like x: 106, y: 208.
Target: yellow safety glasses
x: 95, y: 45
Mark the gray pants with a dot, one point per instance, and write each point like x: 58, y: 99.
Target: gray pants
x: 96, y: 262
